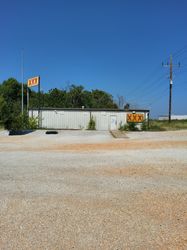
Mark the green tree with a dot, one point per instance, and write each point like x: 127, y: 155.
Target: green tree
x: 10, y: 92
x: 55, y: 98
x: 101, y: 99
x: 3, y: 109
x: 75, y: 97
x: 72, y: 97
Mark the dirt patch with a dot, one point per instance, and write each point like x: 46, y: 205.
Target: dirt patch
x: 120, y: 145
x: 143, y: 220
x: 130, y: 145
x: 140, y: 170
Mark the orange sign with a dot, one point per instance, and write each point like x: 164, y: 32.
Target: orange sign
x: 135, y: 117
x: 33, y: 81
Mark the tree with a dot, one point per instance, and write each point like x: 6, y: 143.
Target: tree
x: 3, y: 109
x: 10, y: 92
x: 72, y: 97
x: 55, y: 98
x: 75, y: 96
x: 101, y: 99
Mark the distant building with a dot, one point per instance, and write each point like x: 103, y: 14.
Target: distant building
x: 173, y: 117
x: 105, y: 119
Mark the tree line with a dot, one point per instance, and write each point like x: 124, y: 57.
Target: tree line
x: 71, y: 97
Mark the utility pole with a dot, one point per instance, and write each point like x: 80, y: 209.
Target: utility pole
x: 170, y: 85
x: 170, y: 65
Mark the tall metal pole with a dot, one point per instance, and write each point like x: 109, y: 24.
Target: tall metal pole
x: 27, y: 99
x: 22, y: 78
x: 170, y: 86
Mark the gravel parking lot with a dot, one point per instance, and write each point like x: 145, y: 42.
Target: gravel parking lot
x: 87, y: 190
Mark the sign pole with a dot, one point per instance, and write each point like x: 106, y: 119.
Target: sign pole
x: 35, y: 81
x: 27, y: 99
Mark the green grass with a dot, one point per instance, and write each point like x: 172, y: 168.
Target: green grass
x: 156, y: 125
x: 1, y: 126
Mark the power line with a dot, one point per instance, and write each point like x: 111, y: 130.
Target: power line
x: 179, y: 85
x: 159, y: 97
x: 152, y: 88
x: 155, y: 95
x: 156, y: 99
x: 146, y: 86
x: 179, y: 52
x: 146, y: 81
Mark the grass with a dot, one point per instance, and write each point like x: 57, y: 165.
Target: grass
x: 156, y: 125
x: 1, y: 126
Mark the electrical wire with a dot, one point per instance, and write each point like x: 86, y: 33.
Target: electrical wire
x: 147, y: 86
x: 158, y: 98
x: 179, y: 52
x: 146, y: 80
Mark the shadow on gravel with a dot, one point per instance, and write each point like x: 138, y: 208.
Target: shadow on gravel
x: 20, y: 132
x: 51, y: 132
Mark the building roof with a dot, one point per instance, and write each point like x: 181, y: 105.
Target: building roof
x: 93, y: 109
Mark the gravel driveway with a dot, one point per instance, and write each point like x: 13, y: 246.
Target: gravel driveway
x: 87, y: 190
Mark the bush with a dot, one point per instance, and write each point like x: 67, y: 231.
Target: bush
x: 124, y: 127
x: 1, y: 125
x: 33, y: 123
x: 130, y: 126
x: 92, y: 124
x: 144, y: 126
x: 24, y: 122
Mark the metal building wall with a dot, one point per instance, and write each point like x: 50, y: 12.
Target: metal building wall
x: 63, y: 119
x: 103, y: 119
x: 71, y: 119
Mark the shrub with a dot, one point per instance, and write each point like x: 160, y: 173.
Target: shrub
x: 24, y: 122
x: 132, y: 126
x: 92, y: 124
x: 33, y: 122
x: 124, y: 127
x: 144, y: 126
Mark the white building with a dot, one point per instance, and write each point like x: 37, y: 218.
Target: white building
x: 173, y: 117
x: 105, y: 119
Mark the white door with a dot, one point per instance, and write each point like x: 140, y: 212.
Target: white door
x: 113, y: 122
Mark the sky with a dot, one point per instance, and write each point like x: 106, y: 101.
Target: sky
x: 114, y: 45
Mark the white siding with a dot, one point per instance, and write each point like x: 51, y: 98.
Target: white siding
x: 75, y: 119
x: 65, y: 119
x: 103, y: 120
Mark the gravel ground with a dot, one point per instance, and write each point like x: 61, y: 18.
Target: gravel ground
x: 87, y: 190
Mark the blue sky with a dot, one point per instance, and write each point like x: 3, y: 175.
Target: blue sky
x: 114, y: 45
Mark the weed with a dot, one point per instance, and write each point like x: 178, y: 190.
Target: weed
x: 92, y: 124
